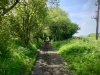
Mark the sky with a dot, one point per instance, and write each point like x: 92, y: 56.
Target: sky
x: 80, y: 12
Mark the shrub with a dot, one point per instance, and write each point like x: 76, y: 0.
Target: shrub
x: 19, y: 56
x: 4, y: 39
x: 83, y: 57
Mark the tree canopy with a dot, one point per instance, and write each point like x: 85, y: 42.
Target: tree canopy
x: 7, y: 5
x: 32, y: 21
x: 60, y: 25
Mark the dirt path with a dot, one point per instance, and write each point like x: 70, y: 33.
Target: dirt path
x: 49, y: 62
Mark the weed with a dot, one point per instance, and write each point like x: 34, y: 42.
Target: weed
x: 83, y: 56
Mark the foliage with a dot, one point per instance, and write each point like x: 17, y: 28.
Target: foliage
x: 6, y: 6
x: 30, y: 65
x: 4, y: 37
x: 93, y: 35
x: 59, y: 24
x: 20, y: 22
x: 83, y: 57
x: 99, y: 1
x: 26, y: 18
x: 19, y: 56
x: 53, y: 3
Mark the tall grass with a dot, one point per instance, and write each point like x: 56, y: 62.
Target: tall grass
x: 83, y: 56
x: 18, y: 57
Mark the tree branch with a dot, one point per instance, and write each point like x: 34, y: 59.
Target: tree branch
x: 10, y: 7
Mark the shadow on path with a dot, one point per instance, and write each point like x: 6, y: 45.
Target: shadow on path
x: 48, y: 62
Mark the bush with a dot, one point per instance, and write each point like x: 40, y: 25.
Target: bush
x: 83, y: 57
x: 4, y: 39
x: 19, y: 56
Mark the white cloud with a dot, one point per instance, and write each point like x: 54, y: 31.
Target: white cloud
x: 87, y: 24
x: 85, y: 6
x: 90, y: 5
x: 81, y: 14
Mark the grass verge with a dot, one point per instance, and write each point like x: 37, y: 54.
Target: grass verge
x: 83, y: 56
x: 18, y: 56
x: 30, y: 65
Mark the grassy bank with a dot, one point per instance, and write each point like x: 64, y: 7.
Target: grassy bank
x: 17, y: 57
x: 83, y: 56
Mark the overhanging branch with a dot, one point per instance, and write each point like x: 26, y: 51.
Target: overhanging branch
x: 10, y: 7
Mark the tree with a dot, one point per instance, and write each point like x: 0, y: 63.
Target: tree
x: 7, y: 5
x: 60, y: 25
x: 22, y: 20
x: 27, y: 17
x: 4, y: 5
x: 99, y: 1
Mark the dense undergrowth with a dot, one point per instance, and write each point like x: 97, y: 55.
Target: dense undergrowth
x: 17, y: 56
x: 82, y: 54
